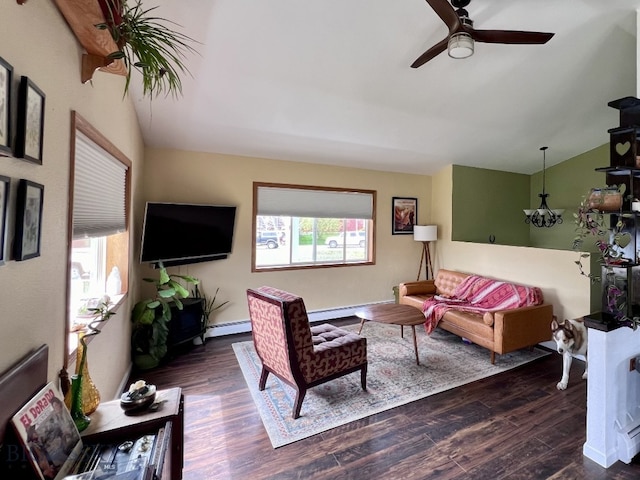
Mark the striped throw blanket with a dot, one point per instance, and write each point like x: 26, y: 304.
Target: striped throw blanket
x: 479, y: 295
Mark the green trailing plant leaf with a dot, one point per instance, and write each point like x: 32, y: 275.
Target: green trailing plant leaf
x: 150, y: 45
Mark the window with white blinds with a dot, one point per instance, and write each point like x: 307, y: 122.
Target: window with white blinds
x: 99, y: 253
x: 99, y: 191
x: 298, y: 226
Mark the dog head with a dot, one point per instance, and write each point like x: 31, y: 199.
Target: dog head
x: 564, y: 335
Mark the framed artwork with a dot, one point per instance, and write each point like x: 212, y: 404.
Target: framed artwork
x: 28, y: 220
x: 30, y: 131
x: 6, y: 79
x: 405, y: 214
x: 5, y: 184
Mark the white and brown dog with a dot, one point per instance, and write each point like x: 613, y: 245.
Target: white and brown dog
x: 571, y: 339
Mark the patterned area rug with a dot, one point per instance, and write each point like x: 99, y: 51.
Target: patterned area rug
x: 393, y: 379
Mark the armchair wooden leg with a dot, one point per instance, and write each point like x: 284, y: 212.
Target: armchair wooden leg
x: 363, y: 376
x: 493, y: 358
x: 298, y: 402
x: 263, y: 378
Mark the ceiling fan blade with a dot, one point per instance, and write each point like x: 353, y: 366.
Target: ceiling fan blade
x: 510, y: 36
x: 446, y: 12
x: 437, y: 49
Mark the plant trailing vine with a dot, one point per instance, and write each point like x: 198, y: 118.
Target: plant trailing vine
x: 147, y: 44
x: 610, y: 243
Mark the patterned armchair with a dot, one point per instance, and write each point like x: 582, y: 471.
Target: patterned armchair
x: 298, y: 354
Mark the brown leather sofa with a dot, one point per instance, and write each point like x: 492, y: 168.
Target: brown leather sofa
x: 500, y: 331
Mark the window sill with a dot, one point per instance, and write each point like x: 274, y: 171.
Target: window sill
x: 118, y: 300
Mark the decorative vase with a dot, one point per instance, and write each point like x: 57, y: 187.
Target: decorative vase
x: 79, y: 418
x: 90, y: 394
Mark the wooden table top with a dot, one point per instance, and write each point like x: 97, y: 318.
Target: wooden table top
x: 391, y: 313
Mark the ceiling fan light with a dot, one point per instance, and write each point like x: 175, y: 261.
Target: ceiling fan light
x: 460, y: 45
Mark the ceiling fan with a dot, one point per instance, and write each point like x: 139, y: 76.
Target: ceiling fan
x: 459, y: 43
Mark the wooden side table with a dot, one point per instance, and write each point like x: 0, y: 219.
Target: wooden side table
x: 109, y: 423
x: 393, y: 314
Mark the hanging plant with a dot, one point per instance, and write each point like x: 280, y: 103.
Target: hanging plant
x: 148, y: 44
x: 610, y: 242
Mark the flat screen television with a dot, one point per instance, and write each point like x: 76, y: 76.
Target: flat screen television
x: 182, y: 233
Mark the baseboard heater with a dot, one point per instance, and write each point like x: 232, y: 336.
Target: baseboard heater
x: 628, y: 441
x: 315, y: 316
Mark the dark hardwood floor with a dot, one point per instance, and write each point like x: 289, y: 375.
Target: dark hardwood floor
x: 514, y: 425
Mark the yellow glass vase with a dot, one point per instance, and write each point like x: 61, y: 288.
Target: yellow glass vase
x: 90, y: 393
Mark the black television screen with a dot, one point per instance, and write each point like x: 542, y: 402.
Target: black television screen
x: 179, y: 233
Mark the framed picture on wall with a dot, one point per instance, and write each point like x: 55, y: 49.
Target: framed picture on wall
x: 28, y: 220
x: 6, y: 79
x: 30, y: 131
x: 5, y: 184
x: 404, y: 215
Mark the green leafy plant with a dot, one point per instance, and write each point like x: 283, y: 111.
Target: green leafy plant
x: 147, y: 44
x: 150, y: 317
x: 592, y: 223
x: 610, y: 242
x: 209, y: 306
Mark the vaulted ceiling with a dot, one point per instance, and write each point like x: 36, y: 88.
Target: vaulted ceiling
x: 329, y: 81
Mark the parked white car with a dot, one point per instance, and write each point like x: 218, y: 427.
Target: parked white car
x: 353, y: 238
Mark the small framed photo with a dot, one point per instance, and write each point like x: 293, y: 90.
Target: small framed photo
x: 405, y: 215
x: 28, y: 220
x: 6, y: 81
x: 5, y: 184
x: 30, y: 128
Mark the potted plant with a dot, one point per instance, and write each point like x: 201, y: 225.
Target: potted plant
x: 610, y: 243
x: 146, y: 44
x: 209, y: 306
x: 150, y: 318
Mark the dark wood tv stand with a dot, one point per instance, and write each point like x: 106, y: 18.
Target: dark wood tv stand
x: 109, y: 423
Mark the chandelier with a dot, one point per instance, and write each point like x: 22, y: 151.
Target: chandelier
x: 543, y: 216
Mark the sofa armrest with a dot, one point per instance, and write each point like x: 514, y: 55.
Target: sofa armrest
x: 522, y: 327
x: 422, y: 287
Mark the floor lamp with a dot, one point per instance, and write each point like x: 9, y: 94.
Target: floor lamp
x: 425, y: 234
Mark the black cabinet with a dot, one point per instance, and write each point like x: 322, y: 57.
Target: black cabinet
x: 186, y: 324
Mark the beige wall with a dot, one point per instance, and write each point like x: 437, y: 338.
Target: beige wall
x: 554, y: 271
x: 38, y: 43
x: 221, y: 179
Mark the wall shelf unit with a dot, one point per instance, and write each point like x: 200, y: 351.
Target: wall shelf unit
x: 82, y: 16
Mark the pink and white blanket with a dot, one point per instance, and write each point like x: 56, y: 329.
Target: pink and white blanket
x: 480, y: 294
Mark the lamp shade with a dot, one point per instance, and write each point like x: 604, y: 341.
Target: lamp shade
x: 425, y: 233
x: 460, y: 45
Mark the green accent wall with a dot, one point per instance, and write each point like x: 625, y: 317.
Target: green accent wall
x: 490, y: 202
x: 567, y: 183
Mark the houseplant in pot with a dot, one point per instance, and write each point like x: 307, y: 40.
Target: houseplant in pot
x: 150, y: 318
x: 611, y: 242
x: 148, y: 44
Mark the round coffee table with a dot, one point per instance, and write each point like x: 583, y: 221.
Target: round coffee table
x: 393, y: 314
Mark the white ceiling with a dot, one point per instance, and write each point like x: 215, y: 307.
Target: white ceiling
x: 328, y: 81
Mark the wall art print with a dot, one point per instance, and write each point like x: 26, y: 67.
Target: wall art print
x: 404, y: 215
x: 30, y: 131
x: 28, y: 220
x: 5, y: 185
x: 6, y: 81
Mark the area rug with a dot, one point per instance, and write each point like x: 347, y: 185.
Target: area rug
x: 393, y: 379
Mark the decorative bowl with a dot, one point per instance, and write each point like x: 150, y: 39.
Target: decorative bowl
x: 134, y: 402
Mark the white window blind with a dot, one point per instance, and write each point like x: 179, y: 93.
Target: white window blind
x: 99, y: 191
x: 314, y: 203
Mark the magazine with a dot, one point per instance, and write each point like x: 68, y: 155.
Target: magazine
x: 49, y: 436
x: 56, y: 451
